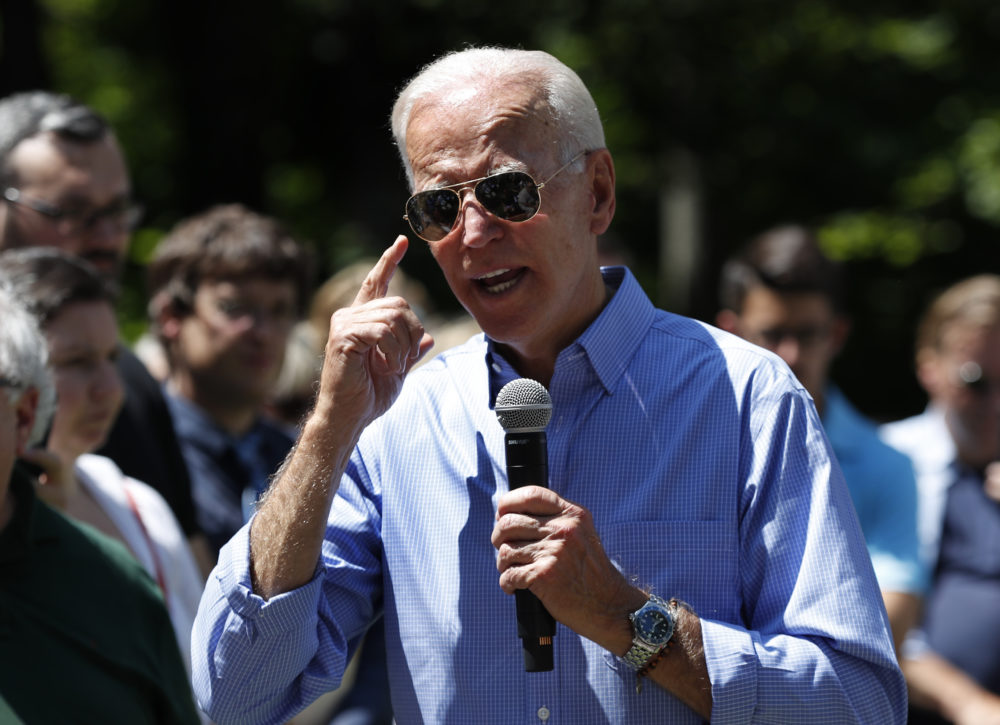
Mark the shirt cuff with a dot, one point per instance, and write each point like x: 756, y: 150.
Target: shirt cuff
x: 269, y: 617
x: 732, y: 669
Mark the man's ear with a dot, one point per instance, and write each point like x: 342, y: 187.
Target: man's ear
x: 24, y: 412
x: 930, y: 372
x: 728, y: 320
x: 601, y: 168
x: 166, y: 315
x: 839, y: 331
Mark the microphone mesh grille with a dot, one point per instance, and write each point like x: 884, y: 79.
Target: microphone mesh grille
x: 523, y: 405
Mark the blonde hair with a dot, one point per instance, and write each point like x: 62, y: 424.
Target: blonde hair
x: 973, y: 302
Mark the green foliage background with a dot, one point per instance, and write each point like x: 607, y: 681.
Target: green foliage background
x: 877, y: 122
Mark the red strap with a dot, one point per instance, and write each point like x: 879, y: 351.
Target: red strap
x: 160, y: 579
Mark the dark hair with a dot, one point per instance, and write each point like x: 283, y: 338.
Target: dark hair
x: 23, y: 115
x: 786, y: 260
x: 47, y: 280
x: 226, y: 242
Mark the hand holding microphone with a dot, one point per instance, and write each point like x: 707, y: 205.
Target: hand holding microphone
x: 524, y: 408
x: 550, y: 544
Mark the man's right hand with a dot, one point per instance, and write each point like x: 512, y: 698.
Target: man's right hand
x: 371, y: 347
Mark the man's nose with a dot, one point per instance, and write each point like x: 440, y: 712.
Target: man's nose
x: 479, y: 227
x: 107, y: 381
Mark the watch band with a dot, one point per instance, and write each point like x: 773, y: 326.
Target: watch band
x: 639, y: 654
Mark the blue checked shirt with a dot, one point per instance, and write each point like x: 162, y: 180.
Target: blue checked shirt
x: 709, y: 478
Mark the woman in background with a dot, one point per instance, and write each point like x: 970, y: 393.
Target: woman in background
x: 75, y: 308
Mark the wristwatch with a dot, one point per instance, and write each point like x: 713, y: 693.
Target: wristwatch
x: 652, y: 627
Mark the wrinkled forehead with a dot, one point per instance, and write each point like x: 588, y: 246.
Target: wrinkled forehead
x: 455, y: 124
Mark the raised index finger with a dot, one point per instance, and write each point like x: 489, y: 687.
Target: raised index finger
x: 376, y: 284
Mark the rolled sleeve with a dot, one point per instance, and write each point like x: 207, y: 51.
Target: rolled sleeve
x: 251, y: 658
x: 732, y: 670
x: 816, y: 643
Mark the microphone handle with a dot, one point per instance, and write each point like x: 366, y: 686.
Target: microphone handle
x: 527, y: 464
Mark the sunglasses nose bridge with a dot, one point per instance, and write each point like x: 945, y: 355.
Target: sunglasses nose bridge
x: 477, y: 225
x: 468, y: 197
x: 463, y: 193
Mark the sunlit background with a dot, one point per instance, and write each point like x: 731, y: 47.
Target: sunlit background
x: 876, y: 122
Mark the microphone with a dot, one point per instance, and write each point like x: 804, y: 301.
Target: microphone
x: 524, y: 408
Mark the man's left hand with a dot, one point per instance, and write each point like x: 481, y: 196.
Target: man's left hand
x: 550, y: 546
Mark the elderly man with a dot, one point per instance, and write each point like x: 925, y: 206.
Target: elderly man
x: 83, y: 630
x: 695, y: 537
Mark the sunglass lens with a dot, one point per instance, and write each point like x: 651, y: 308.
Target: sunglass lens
x: 432, y: 213
x: 512, y: 196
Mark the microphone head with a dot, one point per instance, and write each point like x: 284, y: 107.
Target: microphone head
x: 523, y: 405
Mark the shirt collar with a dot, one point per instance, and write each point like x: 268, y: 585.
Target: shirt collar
x: 194, y: 424
x: 613, y: 339
x: 937, y: 445
x: 838, y: 420
x: 607, y: 345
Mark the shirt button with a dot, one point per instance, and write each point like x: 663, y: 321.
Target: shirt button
x: 543, y: 713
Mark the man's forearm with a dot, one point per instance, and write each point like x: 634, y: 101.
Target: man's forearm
x: 937, y: 685
x: 682, y: 671
x: 903, y: 609
x: 287, y: 533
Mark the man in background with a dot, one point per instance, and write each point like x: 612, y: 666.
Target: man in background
x: 782, y: 293
x: 226, y: 287
x: 64, y: 183
x: 952, y: 660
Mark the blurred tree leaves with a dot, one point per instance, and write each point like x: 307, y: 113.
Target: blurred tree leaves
x: 877, y: 122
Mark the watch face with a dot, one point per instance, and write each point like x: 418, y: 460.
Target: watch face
x: 653, y: 625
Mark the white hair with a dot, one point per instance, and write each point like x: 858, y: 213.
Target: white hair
x: 571, y: 105
x: 24, y: 360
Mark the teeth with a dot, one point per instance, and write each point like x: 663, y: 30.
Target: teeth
x: 493, y: 274
x: 497, y: 289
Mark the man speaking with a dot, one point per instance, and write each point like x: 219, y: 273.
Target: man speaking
x: 696, y: 544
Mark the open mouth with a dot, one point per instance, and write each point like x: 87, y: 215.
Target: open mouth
x: 500, y: 280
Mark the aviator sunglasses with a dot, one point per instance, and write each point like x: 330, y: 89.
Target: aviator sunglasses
x: 512, y: 196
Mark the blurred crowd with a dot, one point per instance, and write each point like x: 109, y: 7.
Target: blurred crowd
x: 126, y: 469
